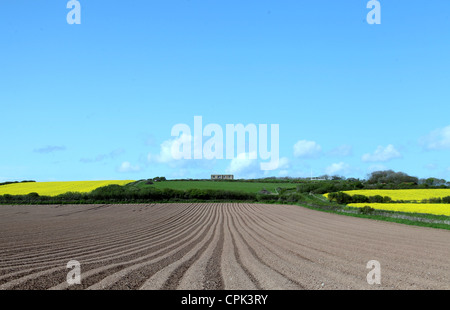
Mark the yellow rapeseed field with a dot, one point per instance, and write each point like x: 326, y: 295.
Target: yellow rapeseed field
x: 403, y: 194
x: 55, y: 188
x: 427, y: 208
x: 413, y: 195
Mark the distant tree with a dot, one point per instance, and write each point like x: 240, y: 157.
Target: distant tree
x: 391, y: 177
x: 358, y: 184
x: 340, y: 197
x: 159, y: 179
x: 360, y: 199
x: 432, y: 181
x: 376, y: 199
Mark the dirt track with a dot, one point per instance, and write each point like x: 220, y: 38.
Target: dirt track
x: 214, y: 246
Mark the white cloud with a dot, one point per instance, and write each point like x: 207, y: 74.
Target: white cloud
x: 382, y: 154
x: 338, y: 169
x: 437, y: 140
x: 377, y: 167
x: 244, y: 167
x: 341, y: 151
x: 283, y: 168
x: 113, y: 154
x: 126, y: 167
x: 243, y: 164
x: 307, y: 149
x: 50, y: 149
x: 169, y: 147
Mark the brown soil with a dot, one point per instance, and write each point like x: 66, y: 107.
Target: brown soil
x: 214, y: 246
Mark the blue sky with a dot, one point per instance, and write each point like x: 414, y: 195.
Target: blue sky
x: 97, y: 101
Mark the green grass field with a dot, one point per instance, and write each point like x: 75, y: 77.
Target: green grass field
x: 247, y: 187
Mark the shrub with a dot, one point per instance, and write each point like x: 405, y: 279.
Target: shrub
x: 265, y: 197
x: 435, y: 200
x: 376, y: 199
x: 366, y: 210
x: 360, y: 199
x: 387, y: 199
x: 340, y: 197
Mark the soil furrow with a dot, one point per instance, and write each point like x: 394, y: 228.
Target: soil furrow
x: 213, y: 246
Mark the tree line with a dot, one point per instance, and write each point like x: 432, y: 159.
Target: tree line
x: 14, y: 182
x: 335, y: 186
x: 125, y: 194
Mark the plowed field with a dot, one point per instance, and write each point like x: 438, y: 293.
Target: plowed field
x: 214, y: 246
